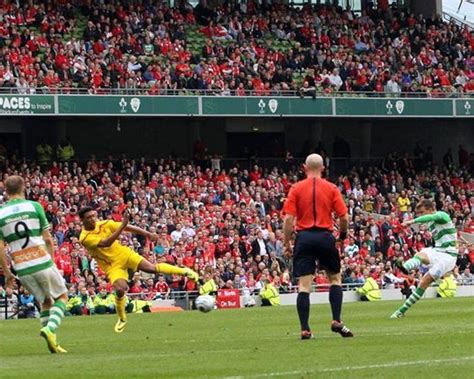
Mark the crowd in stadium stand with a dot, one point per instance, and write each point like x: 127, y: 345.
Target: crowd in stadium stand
x: 228, y: 223
x: 146, y: 47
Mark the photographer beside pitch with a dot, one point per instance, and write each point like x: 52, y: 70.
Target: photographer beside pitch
x: 310, y: 204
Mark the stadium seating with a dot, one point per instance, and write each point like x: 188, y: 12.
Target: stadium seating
x: 210, y: 217
x: 152, y: 49
x: 149, y: 48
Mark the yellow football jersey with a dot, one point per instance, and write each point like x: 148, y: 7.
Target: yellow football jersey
x: 104, y: 255
x: 403, y: 203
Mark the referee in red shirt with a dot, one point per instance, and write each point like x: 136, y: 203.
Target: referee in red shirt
x: 310, y: 204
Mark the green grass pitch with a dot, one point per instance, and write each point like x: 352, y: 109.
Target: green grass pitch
x: 434, y: 340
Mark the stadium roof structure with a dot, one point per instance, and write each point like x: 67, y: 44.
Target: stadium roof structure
x: 459, y: 10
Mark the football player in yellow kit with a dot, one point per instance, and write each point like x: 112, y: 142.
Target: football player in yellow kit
x: 100, y: 239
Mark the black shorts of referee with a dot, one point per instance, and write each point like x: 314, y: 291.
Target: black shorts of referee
x: 314, y: 246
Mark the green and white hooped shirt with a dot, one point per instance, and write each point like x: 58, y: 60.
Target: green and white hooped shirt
x: 442, y: 230
x: 22, y: 223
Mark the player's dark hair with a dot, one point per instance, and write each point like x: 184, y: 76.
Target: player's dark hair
x: 425, y: 203
x: 14, y: 185
x: 82, y: 212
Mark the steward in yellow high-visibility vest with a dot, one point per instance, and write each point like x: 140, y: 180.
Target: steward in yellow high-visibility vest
x: 104, y: 302
x: 447, y: 287
x: 80, y: 304
x: 269, y: 294
x: 65, y: 152
x: 370, y: 291
x: 44, y: 152
x: 209, y: 286
x: 140, y: 306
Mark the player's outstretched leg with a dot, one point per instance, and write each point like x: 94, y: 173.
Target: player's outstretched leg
x: 415, y: 262
x: 335, y: 298
x: 414, y: 297
x: 165, y: 268
x: 409, y: 265
x: 56, y: 314
x: 121, y: 287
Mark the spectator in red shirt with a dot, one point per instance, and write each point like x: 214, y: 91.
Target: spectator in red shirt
x: 136, y: 287
x: 189, y: 260
x: 162, y: 288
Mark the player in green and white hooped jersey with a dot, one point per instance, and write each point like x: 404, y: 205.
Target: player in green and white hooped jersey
x: 440, y: 259
x: 23, y: 226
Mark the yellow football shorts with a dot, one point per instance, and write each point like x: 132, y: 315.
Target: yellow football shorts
x: 118, y: 269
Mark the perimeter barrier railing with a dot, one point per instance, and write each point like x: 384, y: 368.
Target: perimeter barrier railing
x: 150, y: 91
x: 11, y: 309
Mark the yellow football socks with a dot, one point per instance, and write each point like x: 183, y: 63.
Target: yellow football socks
x: 165, y: 268
x: 120, y: 307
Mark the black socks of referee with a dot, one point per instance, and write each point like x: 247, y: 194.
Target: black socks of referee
x: 302, y: 305
x: 335, y: 298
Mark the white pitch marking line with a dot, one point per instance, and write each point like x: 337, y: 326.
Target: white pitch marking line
x: 350, y: 368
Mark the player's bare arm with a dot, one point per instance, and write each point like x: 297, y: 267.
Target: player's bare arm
x: 9, y: 277
x: 142, y: 232
x: 107, y: 242
x: 343, y: 226
x: 407, y: 223
x: 288, y: 224
x: 465, y: 241
x: 48, y: 240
